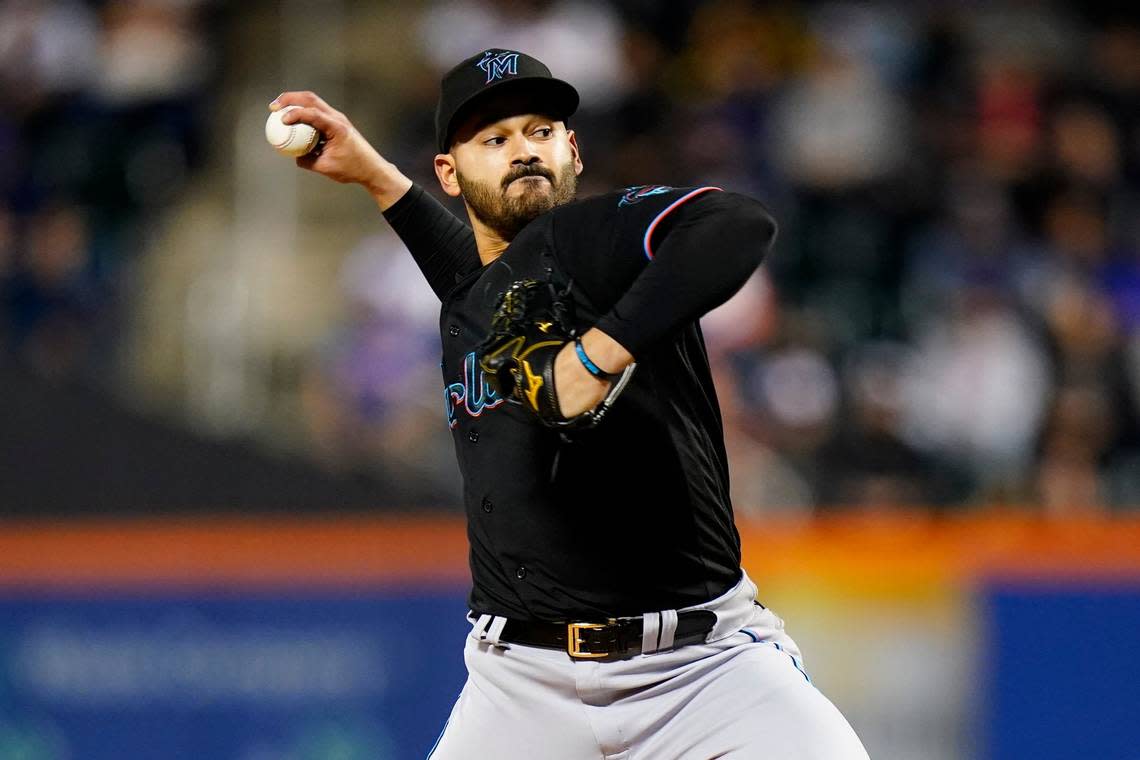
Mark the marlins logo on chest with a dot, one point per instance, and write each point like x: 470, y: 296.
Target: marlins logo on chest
x: 473, y: 394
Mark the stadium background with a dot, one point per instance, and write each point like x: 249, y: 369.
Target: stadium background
x: 229, y: 520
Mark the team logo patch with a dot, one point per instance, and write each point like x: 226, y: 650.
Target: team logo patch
x: 638, y: 193
x: 498, y: 64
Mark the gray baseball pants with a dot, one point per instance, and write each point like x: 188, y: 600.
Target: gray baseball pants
x: 742, y: 695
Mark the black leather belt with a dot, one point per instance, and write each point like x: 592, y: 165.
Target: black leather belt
x: 616, y: 638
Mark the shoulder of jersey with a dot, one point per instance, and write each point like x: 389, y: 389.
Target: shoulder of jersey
x: 614, y: 200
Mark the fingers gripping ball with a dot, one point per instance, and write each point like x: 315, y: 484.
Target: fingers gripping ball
x: 529, y: 327
x: 290, y: 139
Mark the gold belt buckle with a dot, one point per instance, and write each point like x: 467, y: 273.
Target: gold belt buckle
x: 574, y: 643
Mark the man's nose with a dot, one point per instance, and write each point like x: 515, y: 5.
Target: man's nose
x: 525, y: 155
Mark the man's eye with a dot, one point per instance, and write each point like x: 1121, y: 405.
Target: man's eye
x: 495, y: 140
x: 544, y: 131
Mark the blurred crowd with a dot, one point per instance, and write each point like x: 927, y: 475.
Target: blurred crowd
x: 950, y: 316
x: 105, y: 107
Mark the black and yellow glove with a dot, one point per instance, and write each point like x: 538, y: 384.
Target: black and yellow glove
x: 530, y: 326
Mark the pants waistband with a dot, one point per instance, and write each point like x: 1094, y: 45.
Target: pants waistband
x: 623, y: 637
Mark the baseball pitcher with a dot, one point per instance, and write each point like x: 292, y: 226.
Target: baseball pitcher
x: 610, y: 617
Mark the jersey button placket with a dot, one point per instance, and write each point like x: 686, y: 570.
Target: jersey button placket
x: 473, y: 436
x: 453, y: 331
x: 520, y: 572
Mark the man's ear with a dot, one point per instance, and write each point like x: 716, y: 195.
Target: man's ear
x: 445, y: 172
x: 573, y: 140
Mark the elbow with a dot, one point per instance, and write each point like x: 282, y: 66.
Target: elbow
x: 752, y: 228
x: 759, y: 229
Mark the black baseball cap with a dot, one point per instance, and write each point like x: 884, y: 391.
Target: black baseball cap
x: 497, y: 71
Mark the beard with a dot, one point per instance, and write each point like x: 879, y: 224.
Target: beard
x: 506, y: 215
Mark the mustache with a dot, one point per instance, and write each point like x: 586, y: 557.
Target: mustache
x: 528, y: 170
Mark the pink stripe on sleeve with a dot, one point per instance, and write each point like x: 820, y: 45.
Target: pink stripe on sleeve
x: 653, y: 225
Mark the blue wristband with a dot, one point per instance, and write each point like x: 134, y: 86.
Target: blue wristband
x: 592, y: 368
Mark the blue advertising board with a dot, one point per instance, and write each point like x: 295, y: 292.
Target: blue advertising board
x: 237, y: 676
x: 1062, y: 671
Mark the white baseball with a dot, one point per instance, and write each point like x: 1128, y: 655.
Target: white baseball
x: 290, y: 139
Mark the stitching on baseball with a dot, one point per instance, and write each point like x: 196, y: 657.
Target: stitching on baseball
x: 288, y: 138
x: 312, y: 143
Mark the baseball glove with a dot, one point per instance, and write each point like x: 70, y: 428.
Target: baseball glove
x: 531, y: 324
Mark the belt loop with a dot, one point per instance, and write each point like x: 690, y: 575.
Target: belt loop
x: 650, y: 631
x: 479, y: 627
x: 668, y: 628
x: 495, y: 631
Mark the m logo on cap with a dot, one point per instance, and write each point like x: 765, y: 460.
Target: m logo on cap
x: 500, y: 64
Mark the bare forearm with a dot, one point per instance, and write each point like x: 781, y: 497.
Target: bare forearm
x: 386, y: 183
x: 609, y: 355
x: 439, y: 242
x: 345, y: 156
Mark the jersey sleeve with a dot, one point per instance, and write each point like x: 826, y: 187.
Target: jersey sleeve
x: 441, y: 244
x: 648, y: 212
x: 653, y: 258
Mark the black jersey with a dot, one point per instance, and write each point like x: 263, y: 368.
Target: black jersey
x: 633, y: 515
